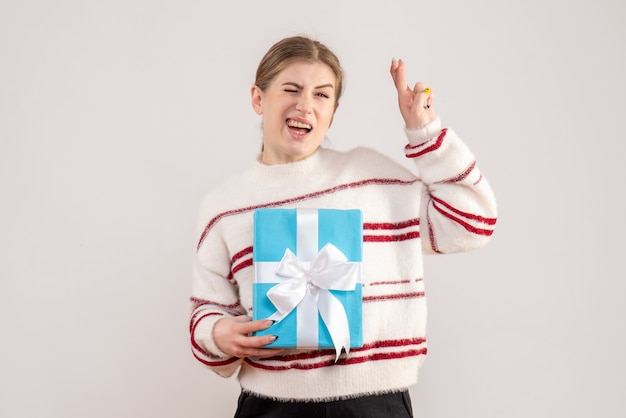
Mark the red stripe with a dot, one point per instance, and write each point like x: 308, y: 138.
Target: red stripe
x: 386, y: 356
x: 199, y: 314
x: 243, y: 264
x: 390, y: 225
x: 308, y: 196
x: 307, y: 355
x: 199, y: 302
x: 236, y: 267
x: 431, y: 233
x: 241, y: 254
x: 474, y: 217
x: 366, y: 238
x: 391, y: 238
x: 192, y: 319
x: 192, y: 331
x: 390, y: 282
x: 461, y: 176
x: 467, y: 226
x: 431, y: 148
x: 342, y: 361
x: 412, y: 295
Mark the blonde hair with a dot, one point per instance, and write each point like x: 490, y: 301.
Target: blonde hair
x: 297, y: 48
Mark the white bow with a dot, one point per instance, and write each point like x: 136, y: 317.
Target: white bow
x: 329, y: 270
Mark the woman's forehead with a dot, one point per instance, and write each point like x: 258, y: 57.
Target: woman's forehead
x: 305, y: 72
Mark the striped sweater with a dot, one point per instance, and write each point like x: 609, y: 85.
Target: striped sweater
x: 449, y: 207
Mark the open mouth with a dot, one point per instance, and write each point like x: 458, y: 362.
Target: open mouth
x: 298, y: 127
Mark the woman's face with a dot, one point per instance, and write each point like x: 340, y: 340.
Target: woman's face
x: 297, y: 108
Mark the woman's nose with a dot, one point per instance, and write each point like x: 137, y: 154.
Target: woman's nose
x: 304, y: 104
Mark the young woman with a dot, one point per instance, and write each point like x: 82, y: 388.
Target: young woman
x: 448, y: 208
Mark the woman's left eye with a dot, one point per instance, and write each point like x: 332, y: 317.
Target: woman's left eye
x: 324, y: 95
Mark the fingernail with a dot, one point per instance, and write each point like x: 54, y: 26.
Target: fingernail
x: 274, y: 337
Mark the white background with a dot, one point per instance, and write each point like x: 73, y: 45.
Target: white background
x: 116, y: 117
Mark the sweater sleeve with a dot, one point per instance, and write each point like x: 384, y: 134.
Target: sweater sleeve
x: 458, y: 210
x: 213, y: 297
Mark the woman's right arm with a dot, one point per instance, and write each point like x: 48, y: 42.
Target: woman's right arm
x: 219, y: 327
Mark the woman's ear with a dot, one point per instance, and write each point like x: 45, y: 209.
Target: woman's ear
x: 256, y: 96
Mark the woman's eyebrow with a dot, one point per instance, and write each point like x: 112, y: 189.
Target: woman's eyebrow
x: 291, y: 83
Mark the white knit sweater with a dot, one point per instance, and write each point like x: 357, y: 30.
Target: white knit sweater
x: 448, y: 208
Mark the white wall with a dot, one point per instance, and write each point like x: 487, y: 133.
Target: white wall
x: 116, y: 117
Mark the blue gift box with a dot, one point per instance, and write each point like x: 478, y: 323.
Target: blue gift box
x: 309, y: 259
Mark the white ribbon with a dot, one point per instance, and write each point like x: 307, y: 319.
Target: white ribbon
x: 308, y: 289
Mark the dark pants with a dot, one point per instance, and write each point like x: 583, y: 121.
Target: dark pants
x: 392, y: 405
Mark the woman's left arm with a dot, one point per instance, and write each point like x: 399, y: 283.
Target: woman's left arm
x: 458, y: 210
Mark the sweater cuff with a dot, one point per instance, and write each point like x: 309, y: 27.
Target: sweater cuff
x: 203, y: 336
x: 421, y: 135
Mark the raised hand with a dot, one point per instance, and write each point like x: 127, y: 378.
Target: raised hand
x: 416, y: 104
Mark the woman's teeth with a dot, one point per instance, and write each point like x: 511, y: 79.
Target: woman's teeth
x: 299, y: 125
